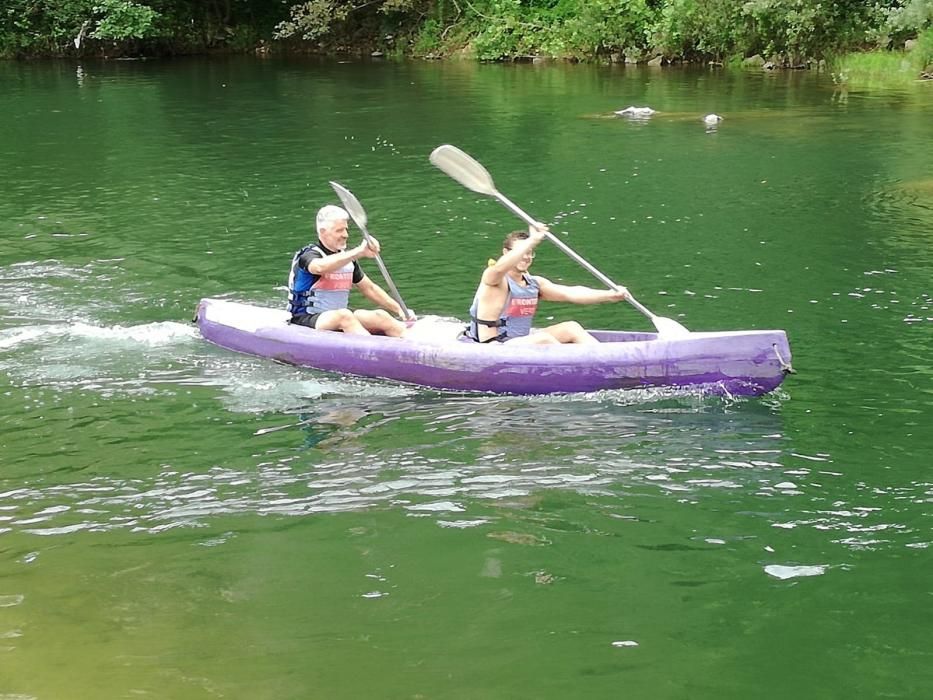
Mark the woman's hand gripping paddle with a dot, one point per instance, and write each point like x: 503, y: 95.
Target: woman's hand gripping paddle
x: 469, y: 173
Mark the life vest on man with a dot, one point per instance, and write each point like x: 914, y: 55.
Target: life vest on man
x: 517, y: 314
x: 313, y: 294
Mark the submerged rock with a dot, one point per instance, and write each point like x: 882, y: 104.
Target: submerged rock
x: 636, y: 112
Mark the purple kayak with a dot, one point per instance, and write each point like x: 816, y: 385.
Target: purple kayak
x: 735, y: 362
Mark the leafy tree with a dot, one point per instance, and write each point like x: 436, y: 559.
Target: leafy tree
x: 905, y: 20
x: 804, y: 28
x: 310, y: 20
x: 316, y: 18
x: 606, y: 25
x: 689, y: 28
x: 120, y: 20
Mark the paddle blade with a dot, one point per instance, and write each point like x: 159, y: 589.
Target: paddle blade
x: 463, y: 168
x: 351, y: 204
x: 669, y: 328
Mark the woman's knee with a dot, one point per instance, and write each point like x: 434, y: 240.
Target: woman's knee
x: 572, y: 332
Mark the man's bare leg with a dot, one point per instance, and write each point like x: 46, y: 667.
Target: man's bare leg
x: 340, y: 320
x: 380, y: 321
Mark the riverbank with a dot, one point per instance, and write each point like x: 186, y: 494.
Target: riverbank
x: 770, y: 34
x: 887, y: 68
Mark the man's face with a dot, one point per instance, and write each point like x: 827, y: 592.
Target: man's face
x: 334, y: 237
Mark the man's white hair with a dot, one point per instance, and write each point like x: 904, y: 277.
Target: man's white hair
x: 328, y: 214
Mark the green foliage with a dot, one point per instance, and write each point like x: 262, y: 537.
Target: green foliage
x: 606, y: 25
x: 691, y: 28
x: 677, y: 27
x: 561, y: 28
x: 807, y: 28
x: 310, y: 20
x: 428, y: 40
x: 50, y: 27
x: 316, y: 19
x: 783, y: 26
x: 414, y: 6
x: 905, y: 20
x: 242, y: 37
x: 501, y: 33
x: 41, y: 26
x: 872, y: 70
x: 124, y: 20
x: 923, y: 51
x: 794, y: 30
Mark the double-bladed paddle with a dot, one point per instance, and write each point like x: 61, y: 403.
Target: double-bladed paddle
x: 358, y: 214
x: 469, y: 173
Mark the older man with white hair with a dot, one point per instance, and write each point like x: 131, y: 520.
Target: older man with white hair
x: 322, y: 275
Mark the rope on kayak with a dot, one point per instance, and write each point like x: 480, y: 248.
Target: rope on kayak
x: 785, y: 365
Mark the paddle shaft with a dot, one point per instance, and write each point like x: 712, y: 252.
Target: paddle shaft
x: 406, y: 314
x: 358, y: 214
x: 515, y: 209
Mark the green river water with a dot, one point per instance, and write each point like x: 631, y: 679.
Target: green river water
x: 179, y: 521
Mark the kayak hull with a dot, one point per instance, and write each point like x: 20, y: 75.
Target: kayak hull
x: 735, y: 362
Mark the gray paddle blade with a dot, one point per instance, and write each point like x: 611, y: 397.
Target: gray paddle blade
x: 669, y: 328
x: 463, y: 168
x: 358, y: 214
x: 351, y: 204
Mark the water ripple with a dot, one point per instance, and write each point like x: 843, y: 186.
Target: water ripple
x: 482, y: 464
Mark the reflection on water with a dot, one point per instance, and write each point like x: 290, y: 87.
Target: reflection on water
x: 437, y: 453
x: 453, y: 457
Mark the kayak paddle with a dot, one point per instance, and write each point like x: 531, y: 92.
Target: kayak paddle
x: 358, y: 214
x: 468, y: 172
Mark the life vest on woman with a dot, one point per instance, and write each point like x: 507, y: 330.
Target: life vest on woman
x: 314, y: 294
x: 518, y: 312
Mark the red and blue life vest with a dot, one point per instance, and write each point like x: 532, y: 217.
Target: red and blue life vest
x: 313, y: 294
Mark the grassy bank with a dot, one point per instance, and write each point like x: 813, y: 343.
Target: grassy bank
x: 886, y: 68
